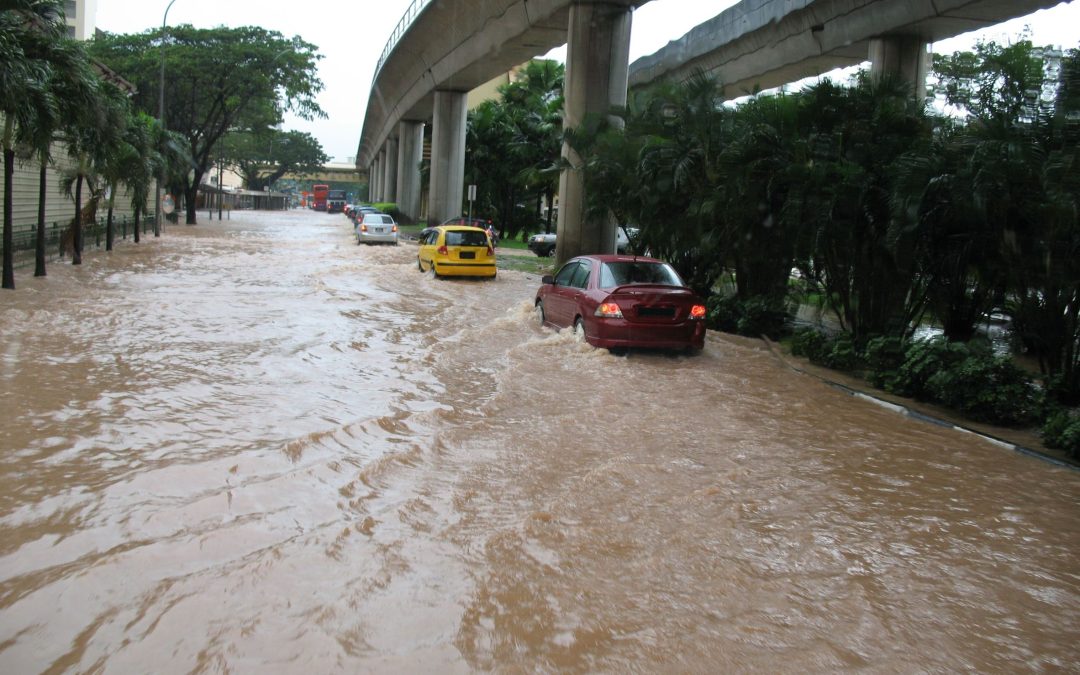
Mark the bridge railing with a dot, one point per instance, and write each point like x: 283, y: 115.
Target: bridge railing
x: 415, y: 7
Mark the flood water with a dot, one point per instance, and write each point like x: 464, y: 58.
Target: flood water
x: 254, y: 446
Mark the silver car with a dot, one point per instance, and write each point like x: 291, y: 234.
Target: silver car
x: 377, y: 228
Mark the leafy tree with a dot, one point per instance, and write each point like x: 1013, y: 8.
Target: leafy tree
x: 855, y: 137
x: 214, y: 78
x: 264, y: 156
x: 26, y: 27
x: 1021, y: 134
x: 538, y: 91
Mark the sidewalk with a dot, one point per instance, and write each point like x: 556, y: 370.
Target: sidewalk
x: 1026, y: 441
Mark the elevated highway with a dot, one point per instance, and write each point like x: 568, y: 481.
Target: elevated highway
x: 761, y: 44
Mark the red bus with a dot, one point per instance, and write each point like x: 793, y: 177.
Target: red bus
x: 318, y: 197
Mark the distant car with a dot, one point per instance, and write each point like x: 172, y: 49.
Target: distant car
x: 456, y: 250
x: 543, y: 245
x: 357, y: 212
x: 376, y: 228
x: 621, y: 301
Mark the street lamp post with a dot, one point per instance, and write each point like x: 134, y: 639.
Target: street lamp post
x: 161, y: 116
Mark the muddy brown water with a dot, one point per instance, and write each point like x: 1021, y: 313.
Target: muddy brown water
x: 254, y: 446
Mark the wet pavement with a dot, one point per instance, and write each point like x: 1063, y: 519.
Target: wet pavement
x: 254, y: 446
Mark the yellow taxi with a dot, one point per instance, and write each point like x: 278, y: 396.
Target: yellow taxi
x: 456, y: 250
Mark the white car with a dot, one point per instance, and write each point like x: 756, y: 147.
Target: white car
x: 377, y: 228
x: 544, y: 244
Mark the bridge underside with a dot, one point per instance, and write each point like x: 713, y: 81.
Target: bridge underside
x: 761, y: 44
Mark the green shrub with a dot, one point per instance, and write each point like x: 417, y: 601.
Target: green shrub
x: 841, y: 354
x: 809, y: 343
x: 883, y: 357
x: 722, y: 313
x: 922, y: 360
x: 1062, y: 431
x: 985, y: 388
x: 753, y: 317
x: 832, y: 351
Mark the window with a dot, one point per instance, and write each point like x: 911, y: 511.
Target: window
x: 581, y: 276
x: 466, y: 238
x: 566, y: 274
x: 623, y: 273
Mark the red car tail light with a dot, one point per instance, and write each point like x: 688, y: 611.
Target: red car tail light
x: 393, y: 229
x: 442, y: 250
x: 697, y: 312
x: 608, y: 310
x: 363, y: 228
x: 491, y: 251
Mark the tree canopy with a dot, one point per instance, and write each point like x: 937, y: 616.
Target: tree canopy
x: 262, y: 157
x: 216, y: 80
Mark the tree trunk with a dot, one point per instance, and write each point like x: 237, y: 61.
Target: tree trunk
x: 109, y: 219
x: 39, y: 252
x: 9, y: 235
x: 76, y: 243
x: 138, y: 212
x: 190, y: 194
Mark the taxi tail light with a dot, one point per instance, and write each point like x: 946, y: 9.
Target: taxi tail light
x: 442, y: 250
x: 609, y: 310
x: 697, y: 312
x: 491, y: 251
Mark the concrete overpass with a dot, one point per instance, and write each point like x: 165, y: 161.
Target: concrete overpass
x: 441, y: 49
x: 761, y: 44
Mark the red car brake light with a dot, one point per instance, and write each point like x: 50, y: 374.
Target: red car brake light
x: 609, y: 310
x: 442, y: 250
x: 697, y: 312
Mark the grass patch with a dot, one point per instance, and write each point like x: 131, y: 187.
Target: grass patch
x: 529, y: 265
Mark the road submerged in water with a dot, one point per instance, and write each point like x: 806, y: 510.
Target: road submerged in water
x: 253, y: 446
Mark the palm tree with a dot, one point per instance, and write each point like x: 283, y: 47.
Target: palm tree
x: 26, y: 101
x: 92, y: 142
x: 72, y: 85
x: 141, y: 163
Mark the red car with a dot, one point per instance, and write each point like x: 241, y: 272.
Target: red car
x: 620, y: 301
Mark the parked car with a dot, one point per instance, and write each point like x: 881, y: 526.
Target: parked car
x: 482, y: 223
x: 543, y: 245
x: 456, y: 250
x: 620, y: 301
x: 377, y: 228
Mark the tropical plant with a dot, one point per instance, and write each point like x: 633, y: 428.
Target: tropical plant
x: 26, y: 28
x: 216, y: 80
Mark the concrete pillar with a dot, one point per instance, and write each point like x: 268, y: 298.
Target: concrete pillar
x: 597, y: 68
x: 373, y: 181
x: 382, y: 174
x: 391, y: 171
x: 410, y: 154
x: 447, y: 155
x: 902, y: 55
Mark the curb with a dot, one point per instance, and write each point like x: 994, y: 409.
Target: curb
x: 923, y: 417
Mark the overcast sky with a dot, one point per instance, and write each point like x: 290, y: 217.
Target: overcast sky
x: 351, y: 35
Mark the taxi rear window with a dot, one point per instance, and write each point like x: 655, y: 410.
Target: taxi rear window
x: 466, y: 238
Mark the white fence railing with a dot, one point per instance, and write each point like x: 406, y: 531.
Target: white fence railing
x: 415, y: 7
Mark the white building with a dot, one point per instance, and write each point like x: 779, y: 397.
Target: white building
x: 81, y: 18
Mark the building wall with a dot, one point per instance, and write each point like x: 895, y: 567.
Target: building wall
x: 59, y: 207
x: 81, y: 18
